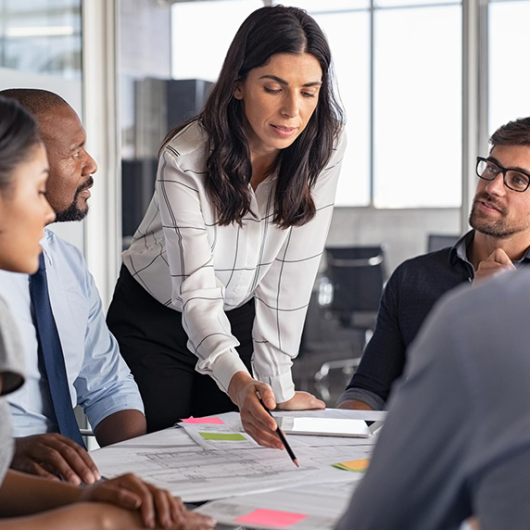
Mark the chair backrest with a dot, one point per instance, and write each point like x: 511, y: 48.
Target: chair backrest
x: 357, y: 275
x: 439, y: 241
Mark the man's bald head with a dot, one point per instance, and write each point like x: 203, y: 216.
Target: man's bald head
x: 71, y: 167
x: 37, y: 102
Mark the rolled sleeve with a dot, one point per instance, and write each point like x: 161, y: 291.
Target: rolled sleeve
x: 122, y: 396
x: 370, y: 398
x: 105, y: 384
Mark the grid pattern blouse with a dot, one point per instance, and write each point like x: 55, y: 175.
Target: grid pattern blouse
x: 189, y: 263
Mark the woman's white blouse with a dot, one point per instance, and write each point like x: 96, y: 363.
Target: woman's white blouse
x: 189, y: 263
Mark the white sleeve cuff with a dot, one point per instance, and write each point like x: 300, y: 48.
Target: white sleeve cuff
x: 282, y: 386
x: 225, y: 367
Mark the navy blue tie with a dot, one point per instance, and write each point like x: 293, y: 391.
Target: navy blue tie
x: 51, y: 356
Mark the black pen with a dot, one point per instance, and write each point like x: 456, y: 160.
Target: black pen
x: 281, y: 436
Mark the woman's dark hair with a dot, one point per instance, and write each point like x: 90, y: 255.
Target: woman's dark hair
x: 18, y: 136
x: 266, y: 32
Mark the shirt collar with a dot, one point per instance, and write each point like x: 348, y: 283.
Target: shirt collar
x: 459, y: 250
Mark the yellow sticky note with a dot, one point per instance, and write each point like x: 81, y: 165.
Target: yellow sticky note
x: 359, y: 466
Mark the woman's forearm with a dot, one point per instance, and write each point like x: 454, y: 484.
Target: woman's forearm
x: 22, y: 494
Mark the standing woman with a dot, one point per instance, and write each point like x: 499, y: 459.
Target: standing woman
x: 29, y: 502
x: 219, y: 275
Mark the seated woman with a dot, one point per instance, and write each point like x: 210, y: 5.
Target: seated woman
x: 122, y: 503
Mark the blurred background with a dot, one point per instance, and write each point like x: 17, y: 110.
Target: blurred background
x: 423, y: 82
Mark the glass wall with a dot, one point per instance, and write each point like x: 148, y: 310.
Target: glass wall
x: 41, y: 47
x: 418, y: 106
x: 192, y: 29
x: 41, y: 36
x: 509, y: 51
x: 398, y: 67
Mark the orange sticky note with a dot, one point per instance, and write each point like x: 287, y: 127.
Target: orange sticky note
x: 272, y: 518
x: 356, y: 465
x: 210, y: 421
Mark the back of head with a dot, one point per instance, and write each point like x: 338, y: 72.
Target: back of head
x: 38, y: 102
x: 515, y: 132
x: 18, y: 136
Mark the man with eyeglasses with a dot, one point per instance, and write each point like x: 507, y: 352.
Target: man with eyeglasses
x: 499, y: 242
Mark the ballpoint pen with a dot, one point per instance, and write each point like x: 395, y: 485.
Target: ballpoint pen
x: 281, y: 436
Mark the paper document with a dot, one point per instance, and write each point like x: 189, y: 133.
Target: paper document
x: 171, y: 459
x: 219, y: 436
x: 313, y: 507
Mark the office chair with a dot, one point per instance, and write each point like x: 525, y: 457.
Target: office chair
x: 352, y: 291
x: 439, y: 241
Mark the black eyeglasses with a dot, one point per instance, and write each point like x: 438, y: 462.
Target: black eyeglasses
x: 515, y: 179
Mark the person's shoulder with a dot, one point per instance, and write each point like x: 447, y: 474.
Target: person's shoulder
x: 423, y: 264
x: 190, y: 140
x: 64, y: 254
x: 57, y: 245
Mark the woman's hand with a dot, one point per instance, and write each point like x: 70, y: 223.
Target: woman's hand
x: 245, y: 393
x: 302, y: 401
x: 157, y: 507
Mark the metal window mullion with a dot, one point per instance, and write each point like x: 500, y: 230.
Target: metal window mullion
x: 483, y: 82
x: 472, y: 103
x: 372, y: 104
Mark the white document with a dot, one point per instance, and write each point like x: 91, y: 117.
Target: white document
x: 318, y: 507
x: 172, y: 460
x: 215, y: 437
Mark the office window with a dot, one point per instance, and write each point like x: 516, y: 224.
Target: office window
x: 348, y: 33
x: 41, y: 36
x: 417, y: 104
x: 412, y: 84
x: 408, y: 3
x: 327, y: 5
x: 509, y: 75
x: 202, y: 33
x: 349, y: 39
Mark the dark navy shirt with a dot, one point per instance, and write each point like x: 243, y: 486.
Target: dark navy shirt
x: 410, y: 294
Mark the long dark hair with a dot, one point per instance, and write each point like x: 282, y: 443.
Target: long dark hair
x: 18, y: 136
x: 266, y: 32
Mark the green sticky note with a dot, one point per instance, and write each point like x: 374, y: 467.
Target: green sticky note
x: 223, y: 436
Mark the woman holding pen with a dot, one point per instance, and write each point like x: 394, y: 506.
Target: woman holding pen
x: 212, y: 297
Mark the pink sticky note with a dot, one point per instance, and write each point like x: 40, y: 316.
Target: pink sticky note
x: 273, y: 518
x: 211, y: 421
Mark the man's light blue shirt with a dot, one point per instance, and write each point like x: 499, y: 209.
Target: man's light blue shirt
x: 99, y: 379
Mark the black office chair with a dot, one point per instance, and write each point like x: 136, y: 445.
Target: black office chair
x: 439, y: 241
x: 356, y: 276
